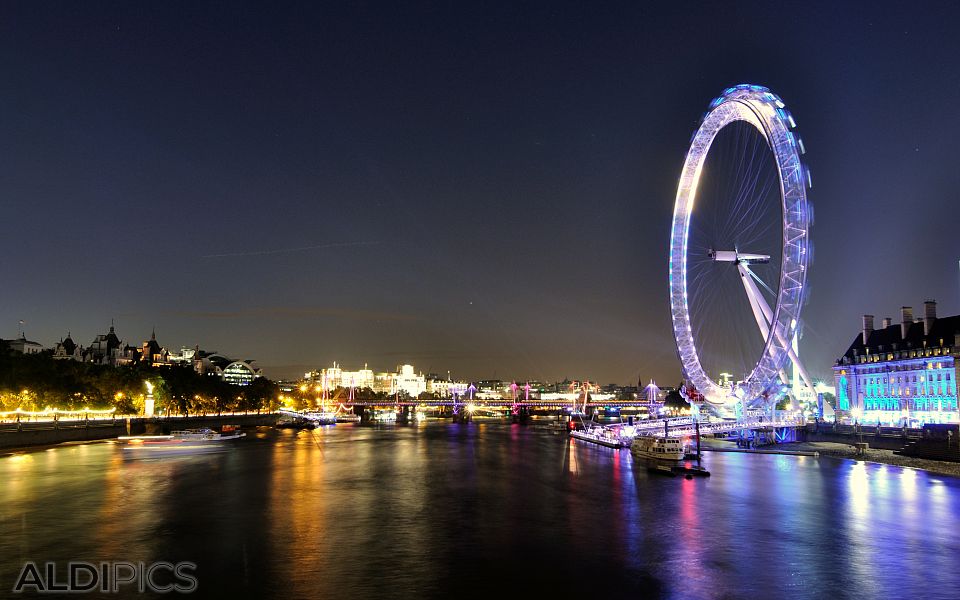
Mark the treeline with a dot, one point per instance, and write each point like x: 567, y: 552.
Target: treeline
x: 36, y: 382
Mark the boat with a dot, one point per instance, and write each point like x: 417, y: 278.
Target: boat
x: 322, y: 418
x: 348, y: 418
x: 295, y: 422
x: 658, y: 448
x: 598, y: 435
x: 385, y: 417
x: 186, y: 439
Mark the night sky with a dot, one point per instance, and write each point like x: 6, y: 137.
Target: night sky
x: 480, y: 188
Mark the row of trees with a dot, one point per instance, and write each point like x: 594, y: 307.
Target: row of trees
x: 37, y: 382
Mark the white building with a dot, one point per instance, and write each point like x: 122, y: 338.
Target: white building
x: 444, y: 388
x: 22, y: 345
x: 409, y: 381
x: 335, y: 377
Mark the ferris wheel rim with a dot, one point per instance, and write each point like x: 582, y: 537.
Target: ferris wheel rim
x: 765, y: 111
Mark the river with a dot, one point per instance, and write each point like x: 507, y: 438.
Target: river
x: 481, y: 511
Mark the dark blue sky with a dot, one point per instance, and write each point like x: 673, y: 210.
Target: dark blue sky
x: 485, y: 188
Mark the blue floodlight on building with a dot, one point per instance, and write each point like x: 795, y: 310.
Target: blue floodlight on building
x: 901, y: 374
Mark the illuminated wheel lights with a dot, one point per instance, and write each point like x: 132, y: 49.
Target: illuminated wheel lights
x: 765, y: 111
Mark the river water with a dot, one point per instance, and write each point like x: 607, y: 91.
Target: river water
x: 481, y: 511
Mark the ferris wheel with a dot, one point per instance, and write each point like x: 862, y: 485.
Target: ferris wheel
x: 775, y: 298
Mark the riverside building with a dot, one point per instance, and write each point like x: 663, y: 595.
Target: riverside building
x: 901, y: 374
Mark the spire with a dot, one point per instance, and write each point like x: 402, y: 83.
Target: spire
x: 153, y: 334
x: 111, y: 325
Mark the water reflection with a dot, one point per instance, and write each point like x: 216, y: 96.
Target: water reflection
x: 441, y: 509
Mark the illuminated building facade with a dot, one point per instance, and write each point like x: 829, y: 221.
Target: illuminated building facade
x: 152, y: 353
x: 407, y: 380
x: 334, y: 377
x: 240, y: 372
x: 901, y: 374
x: 444, y: 388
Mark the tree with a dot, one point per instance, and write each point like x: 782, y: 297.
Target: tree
x: 674, y: 400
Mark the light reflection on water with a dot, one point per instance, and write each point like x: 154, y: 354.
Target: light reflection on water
x: 442, y: 509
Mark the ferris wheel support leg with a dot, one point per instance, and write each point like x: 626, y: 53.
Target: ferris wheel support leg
x: 764, y: 318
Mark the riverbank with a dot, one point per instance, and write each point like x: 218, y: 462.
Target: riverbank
x: 35, y: 434
x: 838, y: 450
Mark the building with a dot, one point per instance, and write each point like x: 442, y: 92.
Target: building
x: 67, y: 349
x: 210, y: 363
x: 901, y: 374
x: 240, y: 372
x: 185, y: 356
x: 214, y: 364
x: 492, y: 389
x: 105, y: 349
x: 445, y: 388
x: 407, y: 381
x: 152, y: 353
x: 22, y: 345
x: 334, y: 377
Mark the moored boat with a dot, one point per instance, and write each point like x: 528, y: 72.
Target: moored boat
x: 294, y: 422
x: 598, y: 435
x: 322, y: 418
x: 658, y: 448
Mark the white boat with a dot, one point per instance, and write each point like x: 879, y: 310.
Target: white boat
x: 348, y: 418
x: 658, y: 448
x: 599, y: 435
x: 385, y: 417
x: 322, y: 418
x: 186, y: 439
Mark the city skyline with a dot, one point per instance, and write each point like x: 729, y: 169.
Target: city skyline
x: 331, y: 186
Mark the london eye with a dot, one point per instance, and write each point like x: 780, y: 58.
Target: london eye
x: 740, y: 250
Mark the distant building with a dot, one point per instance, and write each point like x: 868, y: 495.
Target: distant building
x: 445, y: 388
x: 406, y: 380
x: 214, y: 364
x: 383, y: 382
x: 210, y: 363
x: 105, y: 349
x: 152, y: 353
x: 240, y: 372
x: 491, y: 389
x: 335, y: 377
x: 67, y: 349
x: 903, y: 373
x: 22, y: 345
x: 184, y: 357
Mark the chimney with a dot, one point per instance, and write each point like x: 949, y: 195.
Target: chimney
x: 906, y: 318
x: 929, y: 315
x: 887, y: 322
x: 867, y: 328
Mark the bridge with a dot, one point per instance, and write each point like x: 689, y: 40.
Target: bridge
x: 495, y: 403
